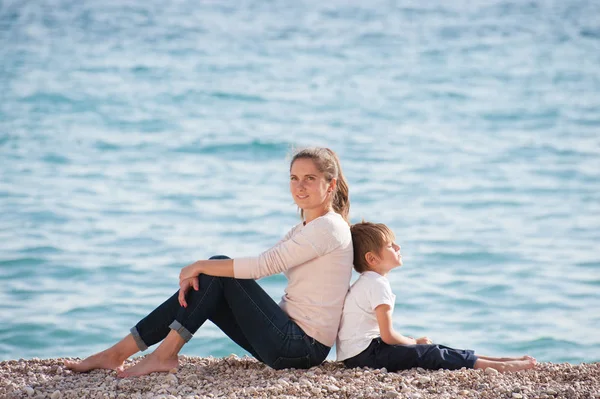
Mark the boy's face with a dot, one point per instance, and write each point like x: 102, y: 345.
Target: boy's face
x: 389, y: 257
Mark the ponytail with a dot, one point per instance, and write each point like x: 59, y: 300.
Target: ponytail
x: 341, y: 198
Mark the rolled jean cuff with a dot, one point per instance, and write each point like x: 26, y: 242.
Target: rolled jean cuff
x: 181, y: 330
x: 138, y: 339
x: 470, y: 359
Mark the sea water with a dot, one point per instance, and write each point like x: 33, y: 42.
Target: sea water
x: 139, y: 136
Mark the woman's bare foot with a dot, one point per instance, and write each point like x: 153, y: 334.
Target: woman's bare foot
x: 111, y: 358
x: 102, y: 360
x: 150, y: 364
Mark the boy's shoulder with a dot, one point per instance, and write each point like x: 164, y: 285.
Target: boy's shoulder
x: 372, y: 279
x: 371, y: 275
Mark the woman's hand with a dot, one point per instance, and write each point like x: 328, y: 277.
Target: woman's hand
x: 423, y: 341
x: 184, y: 287
x: 189, y: 271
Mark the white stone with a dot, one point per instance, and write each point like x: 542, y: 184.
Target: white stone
x: 517, y: 395
x: 424, y: 380
x: 305, y: 382
x: 551, y: 391
x: 55, y: 395
x: 332, y: 388
x: 283, y: 382
x: 491, y: 371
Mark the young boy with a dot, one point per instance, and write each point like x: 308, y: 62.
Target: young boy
x: 366, y: 336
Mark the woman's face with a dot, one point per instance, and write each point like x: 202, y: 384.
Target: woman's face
x: 308, y: 185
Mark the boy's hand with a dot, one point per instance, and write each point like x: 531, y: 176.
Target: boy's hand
x: 423, y: 341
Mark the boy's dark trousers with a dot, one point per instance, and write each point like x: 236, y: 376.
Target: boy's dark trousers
x: 402, y: 357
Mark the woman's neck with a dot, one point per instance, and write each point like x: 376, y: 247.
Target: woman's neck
x: 312, y: 214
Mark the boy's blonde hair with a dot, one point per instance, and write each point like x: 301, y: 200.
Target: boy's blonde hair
x: 368, y: 237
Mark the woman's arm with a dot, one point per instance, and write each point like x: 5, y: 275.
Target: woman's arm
x: 211, y: 267
x: 386, y: 328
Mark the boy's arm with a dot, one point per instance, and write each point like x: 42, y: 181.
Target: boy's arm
x: 386, y: 328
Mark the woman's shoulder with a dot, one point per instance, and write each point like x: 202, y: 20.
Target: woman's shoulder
x: 334, y: 223
x: 331, y: 220
x: 330, y: 227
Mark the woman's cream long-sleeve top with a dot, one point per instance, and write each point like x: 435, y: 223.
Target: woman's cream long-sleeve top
x: 317, y: 261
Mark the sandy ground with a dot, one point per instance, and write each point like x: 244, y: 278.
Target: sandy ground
x: 234, y: 377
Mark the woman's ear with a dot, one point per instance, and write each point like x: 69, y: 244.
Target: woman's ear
x: 332, y: 185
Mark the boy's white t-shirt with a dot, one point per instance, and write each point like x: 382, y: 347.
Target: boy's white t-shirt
x: 359, y: 323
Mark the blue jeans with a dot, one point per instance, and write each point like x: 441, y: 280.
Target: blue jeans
x: 243, y: 311
x: 403, y: 357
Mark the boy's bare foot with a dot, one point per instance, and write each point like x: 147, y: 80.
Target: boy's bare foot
x: 101, y: 360
x: 506, y: 359
x: 149, y: 364
x: 506, y: 366
x: 517, y: 365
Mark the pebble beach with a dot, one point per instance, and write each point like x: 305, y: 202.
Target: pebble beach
x: 235, y: 377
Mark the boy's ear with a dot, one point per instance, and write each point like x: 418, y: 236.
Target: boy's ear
x: 371, y: 258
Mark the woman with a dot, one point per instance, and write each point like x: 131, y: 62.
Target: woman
x: 316, y: 257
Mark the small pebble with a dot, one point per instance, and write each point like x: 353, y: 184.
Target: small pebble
x: 55, y: 395
x: 171, y: 379
x: 491, y: 371
x: 517, y: 395
x: 424, y: 380
x: 283, y: 382
x: 29, y: 391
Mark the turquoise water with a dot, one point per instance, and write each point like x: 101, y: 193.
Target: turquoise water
x: 136, y: 137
